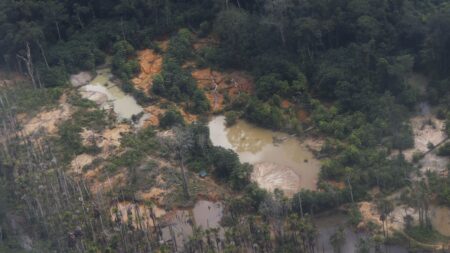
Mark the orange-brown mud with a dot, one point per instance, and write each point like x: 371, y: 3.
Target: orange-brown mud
x: 303, y: 116
x: 285, y: 104
x: 188, y: 117
x: 155, y: 113
x: 217, y: 85
x: 150, y: 64
x: 153, y: 194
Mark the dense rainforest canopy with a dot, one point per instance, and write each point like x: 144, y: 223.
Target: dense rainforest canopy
x: 348, y: 51
x: 345, y: 62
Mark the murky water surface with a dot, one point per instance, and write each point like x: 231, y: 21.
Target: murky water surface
x: 205, y: 214
x: 123, y: 105
x: 329, y: 224
x: 279, y: 159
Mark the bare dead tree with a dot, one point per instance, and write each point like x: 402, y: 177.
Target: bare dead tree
x: 28, y: 63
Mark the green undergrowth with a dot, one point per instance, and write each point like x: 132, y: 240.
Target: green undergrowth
x: 26, y: 99
x: 68, y: 142
x: 426, y: 235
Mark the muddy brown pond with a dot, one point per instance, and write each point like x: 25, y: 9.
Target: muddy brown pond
x: 205, y: 215
x: 280, y: 160
x: 107, y: 94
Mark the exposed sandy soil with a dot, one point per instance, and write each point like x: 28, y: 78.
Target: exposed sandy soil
x: 427, y: 128
x: 137, y: 210
x: 424, y: 133
x: 154, y: 194
x: 155, y: 112
x: 433, y: 162
x: 150, y: 64
x: 271, y: 176
x: 107, y: 140
x: 370, y: 213
x: 81, y: 79
x: 440, y: 219
x: 439, y: 216
x: 80, y: 161
x: 189, y: 118
x: 49, y: 120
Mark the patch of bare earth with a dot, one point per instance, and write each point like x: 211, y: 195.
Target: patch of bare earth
x: 188, y: 117
x: 271, y: 176
x: 428, y: 129
x: 143, y: 217
x: 81, y: 79
x: 108, y: 140
x: 49, y: 120
x: 155, y: 113
x: 80, y: 161
x: 217, y: 85
x: 150, y: 64
x: 395, y: 220
x: 154, y: 194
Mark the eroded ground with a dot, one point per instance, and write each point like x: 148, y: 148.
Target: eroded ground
x: 48, y: 119
x: 150, y: 64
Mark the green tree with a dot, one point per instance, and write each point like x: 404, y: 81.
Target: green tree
x: 171, y: 118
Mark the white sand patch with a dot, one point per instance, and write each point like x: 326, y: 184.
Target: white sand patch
x: 271, y: 176
x: 426, y: 129
x: 80, y: 161
x: 81, y: 79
